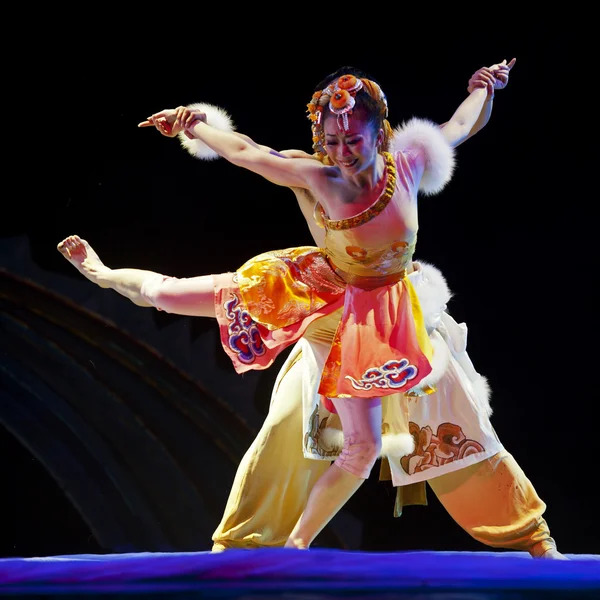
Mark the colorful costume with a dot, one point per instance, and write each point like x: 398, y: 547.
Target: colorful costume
x: 365, y: 324
x: 370, y: 327
x: 381, y: 345
x: 492, y: 499
x: 435, y: 426
x: 444, y: 438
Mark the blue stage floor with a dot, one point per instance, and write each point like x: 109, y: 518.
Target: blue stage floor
x: 295, y: 574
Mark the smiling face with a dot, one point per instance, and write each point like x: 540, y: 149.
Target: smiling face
x: 356, y: 148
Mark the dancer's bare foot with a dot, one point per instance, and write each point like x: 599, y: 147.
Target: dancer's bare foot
x: 83, y: 257
x: 296, y: 543
x: 554, y: 554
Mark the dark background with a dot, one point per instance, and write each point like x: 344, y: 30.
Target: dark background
x: 512, y: 232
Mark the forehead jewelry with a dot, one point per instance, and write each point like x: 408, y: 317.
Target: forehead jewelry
x: 342, y: 100
x: 341, y: 95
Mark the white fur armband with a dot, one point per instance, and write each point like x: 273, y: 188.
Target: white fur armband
x: 439, y: 155
x: 215, y: 117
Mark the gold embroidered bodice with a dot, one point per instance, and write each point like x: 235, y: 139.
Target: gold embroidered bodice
x: 377, y: 243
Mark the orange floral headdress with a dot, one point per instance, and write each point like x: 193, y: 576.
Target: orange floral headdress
x: 339, y: 96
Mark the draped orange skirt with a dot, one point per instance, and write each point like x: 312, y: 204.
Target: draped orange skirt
x: 380, y: 347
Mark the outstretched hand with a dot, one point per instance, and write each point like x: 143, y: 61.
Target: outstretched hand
x: 164, y: 122
x: 482, y: 78
x: 501, y: 71
x: 172, y: 122
x: 492, y: 78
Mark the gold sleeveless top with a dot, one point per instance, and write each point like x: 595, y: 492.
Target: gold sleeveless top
x: 366, y: 251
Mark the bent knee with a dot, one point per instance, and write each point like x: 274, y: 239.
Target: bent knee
x: 366, y: 452
x: 358, y: 456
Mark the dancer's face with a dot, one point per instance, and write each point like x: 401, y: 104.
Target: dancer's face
x: 356, y: 148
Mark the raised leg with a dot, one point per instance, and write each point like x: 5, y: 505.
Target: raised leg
x: 192, y: 296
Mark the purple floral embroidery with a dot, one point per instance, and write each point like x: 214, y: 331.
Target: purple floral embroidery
x: 244, y: 337
x: 394, y: 374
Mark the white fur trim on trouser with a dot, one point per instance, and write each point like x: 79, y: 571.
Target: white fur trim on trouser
x: 439, y: 155
x: 397, y: 444
x: 215, y: 117
x: 392, y: 444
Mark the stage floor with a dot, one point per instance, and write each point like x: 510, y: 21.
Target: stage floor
x: 296, y: 574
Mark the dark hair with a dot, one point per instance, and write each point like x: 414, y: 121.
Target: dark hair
x: 347, y: 70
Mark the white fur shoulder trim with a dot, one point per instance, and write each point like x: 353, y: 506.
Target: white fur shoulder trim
x: 216, y: 117
x: 439, y: 155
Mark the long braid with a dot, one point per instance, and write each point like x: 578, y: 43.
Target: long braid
x: 377, y: 94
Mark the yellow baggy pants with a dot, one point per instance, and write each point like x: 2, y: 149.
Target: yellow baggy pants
x: 491, y: 500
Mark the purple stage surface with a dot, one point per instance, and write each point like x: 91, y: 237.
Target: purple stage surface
x: 297, y: 574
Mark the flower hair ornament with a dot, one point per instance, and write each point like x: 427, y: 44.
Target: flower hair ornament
x: 339, y: 96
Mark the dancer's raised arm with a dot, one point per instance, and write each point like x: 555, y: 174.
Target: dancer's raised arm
x: 238, y: 149
x: 474, y: 112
